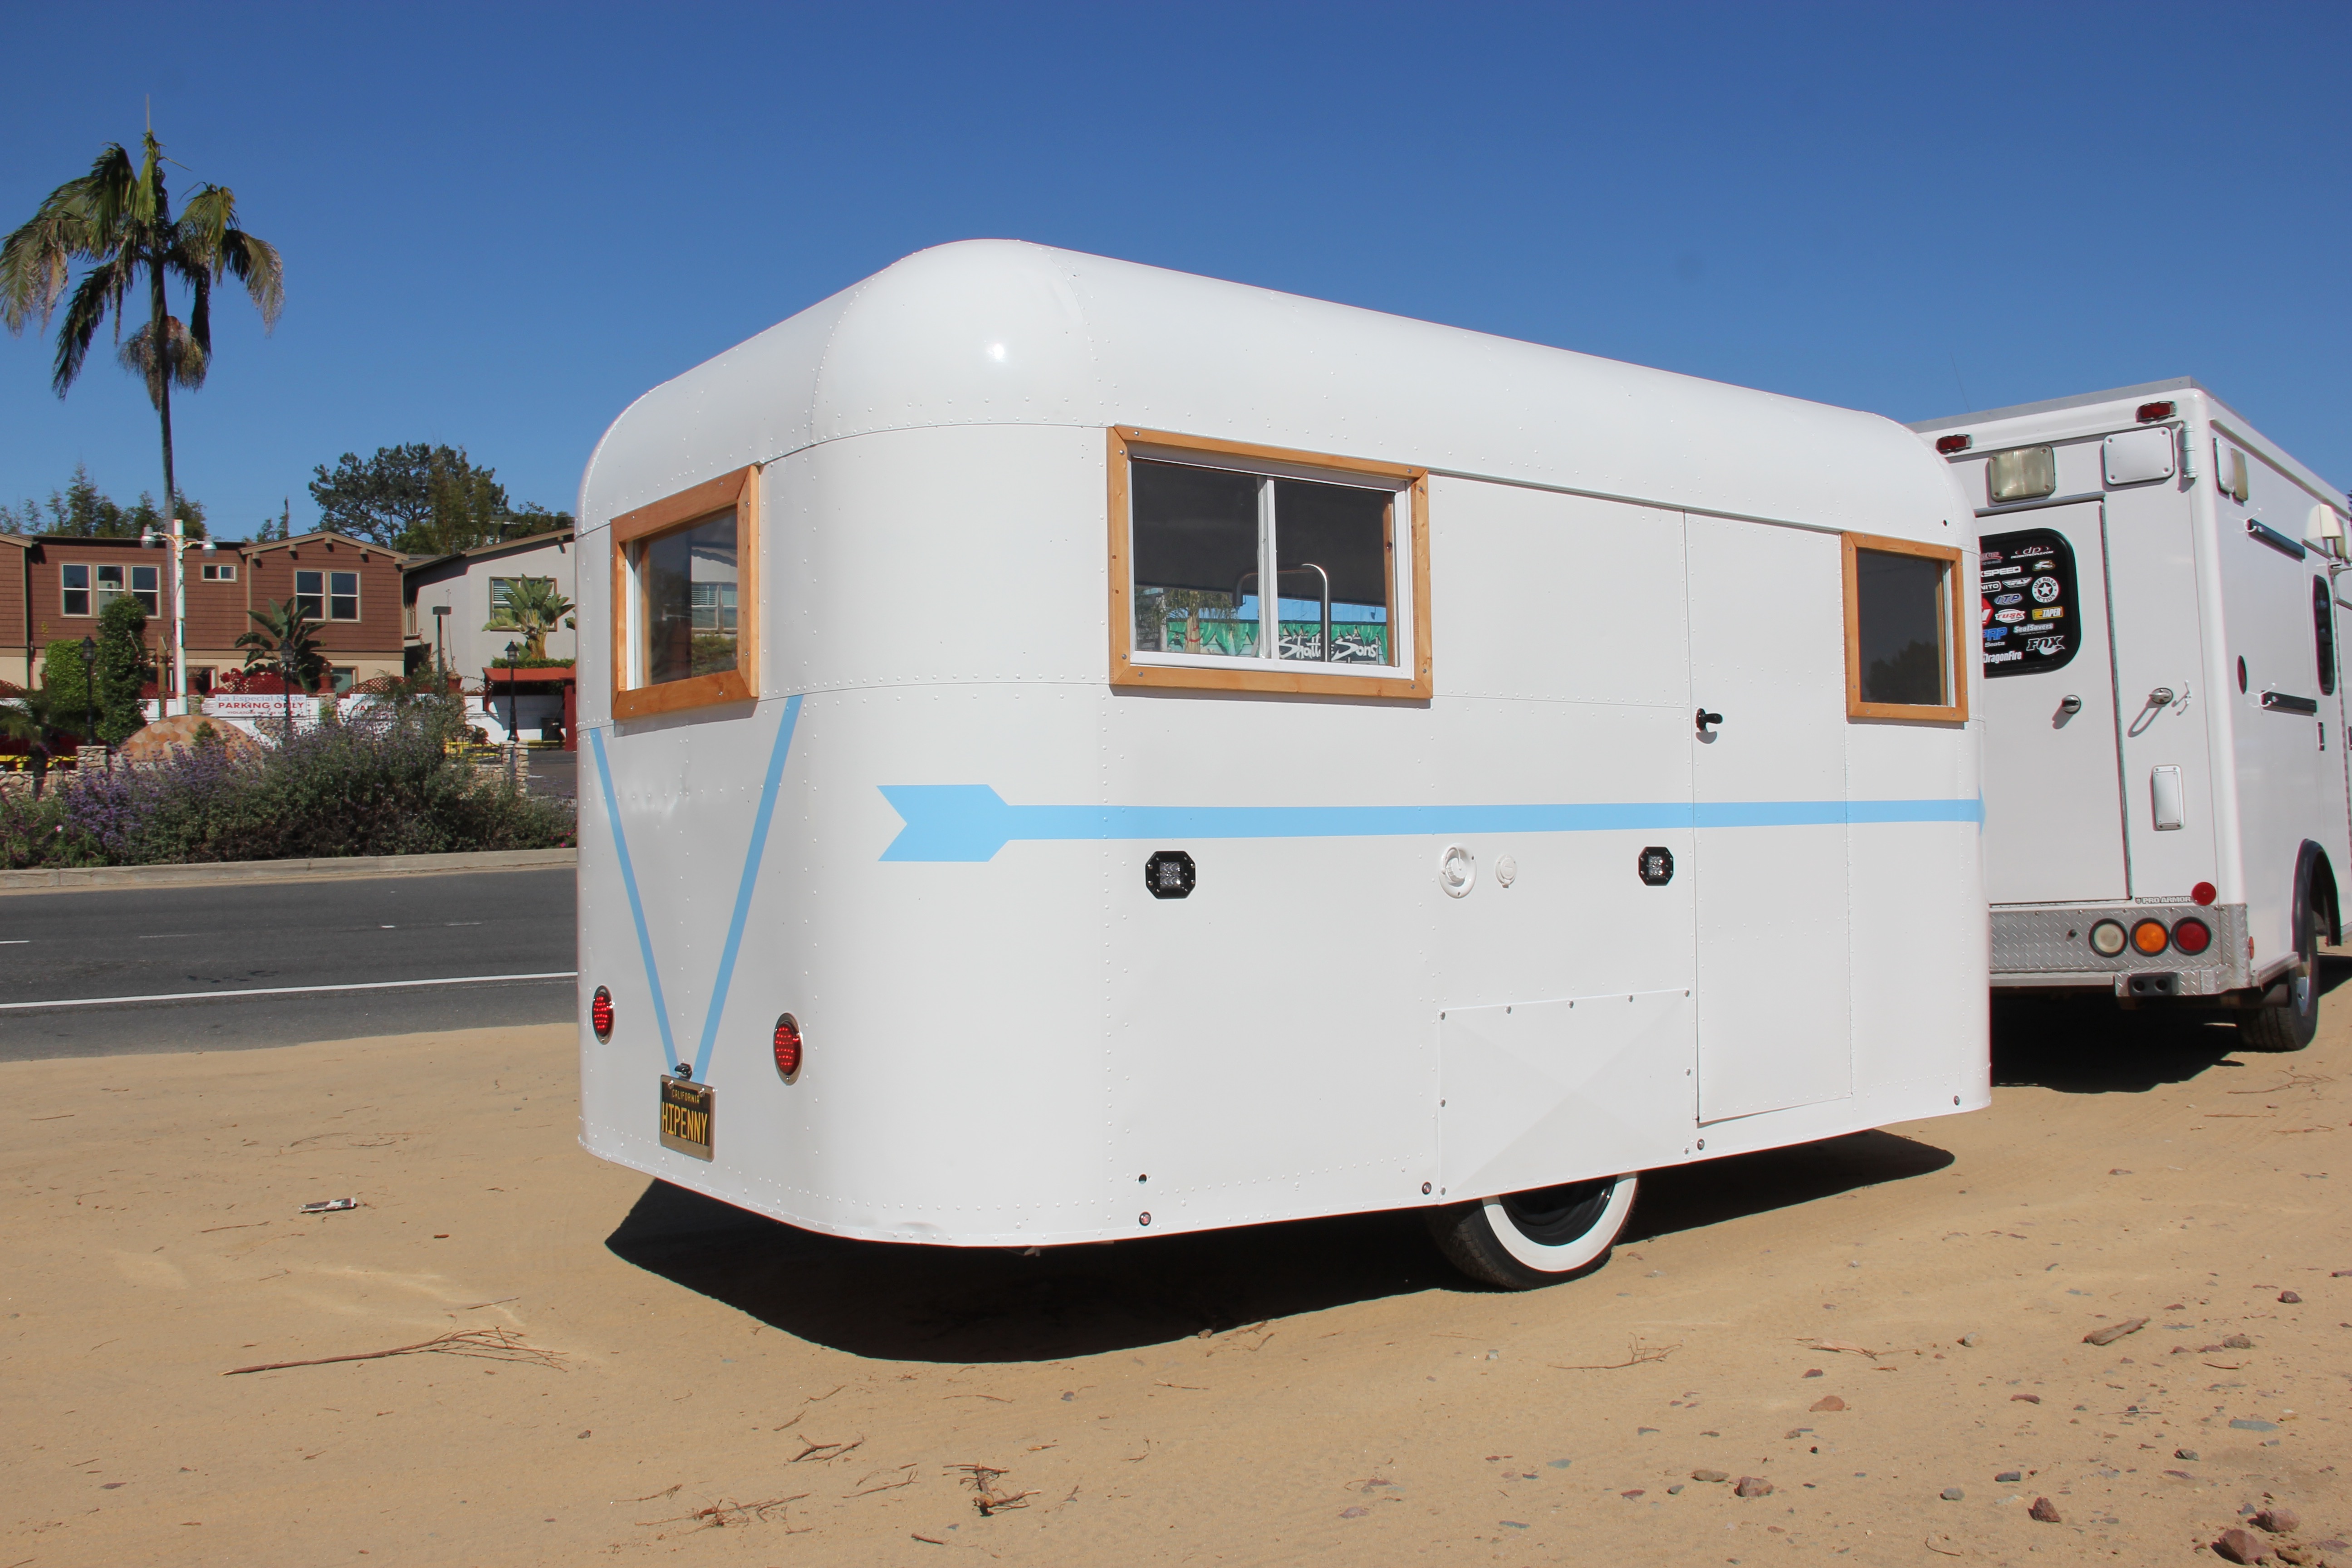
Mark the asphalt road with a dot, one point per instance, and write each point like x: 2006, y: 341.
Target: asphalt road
x: 163, y: 970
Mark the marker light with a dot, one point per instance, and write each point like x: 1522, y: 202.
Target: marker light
x: 2193, y: 935
x: 600, y: 1013
x: 2149, y: 412
x: 788, y: 1046
x: 1948, y: 445
x: 2204, y: 893
x: 2150, y: 937
x: 2106, y: 939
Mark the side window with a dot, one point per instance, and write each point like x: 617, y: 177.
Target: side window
x: 1243, y: 568
x: 73, y: 588
x: 2323, y: 628
x: 310, y: 594
x: 220, y: 572
x: 110, y: 586
x: 145, y: 587
x: 1902, y: 631
x: 342, y: 595
x: 2029, y: 617
x: 685, y: 597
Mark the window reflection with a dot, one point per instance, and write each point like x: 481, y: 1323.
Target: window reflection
x: 687, y: 583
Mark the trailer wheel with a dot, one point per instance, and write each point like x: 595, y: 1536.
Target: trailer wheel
x: 2289, y: 1025
x: 1523, y: 1240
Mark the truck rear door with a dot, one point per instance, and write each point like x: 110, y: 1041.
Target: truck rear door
x: 2053, y: 785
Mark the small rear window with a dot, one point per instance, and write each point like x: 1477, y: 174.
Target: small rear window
x: 2028, y: 615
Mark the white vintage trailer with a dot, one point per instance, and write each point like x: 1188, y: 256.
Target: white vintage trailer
x: 1088, y: 752
x: 2165, y: 803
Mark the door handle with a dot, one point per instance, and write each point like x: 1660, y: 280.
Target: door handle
x: 2162, y: 696
x: 2073, y: 704
x: 1705, y: 717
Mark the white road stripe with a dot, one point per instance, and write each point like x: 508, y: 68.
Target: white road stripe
x: 285, y: 990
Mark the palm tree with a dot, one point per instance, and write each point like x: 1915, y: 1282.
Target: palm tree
x: 34, y: 718
x: 286, y: 640
x: 118, y: 219
x: 533, y: 608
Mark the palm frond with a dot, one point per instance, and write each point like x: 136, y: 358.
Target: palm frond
x: 101, y: 290
x: 186, y: 359
x: 215, y: 242
x: 36, y: 260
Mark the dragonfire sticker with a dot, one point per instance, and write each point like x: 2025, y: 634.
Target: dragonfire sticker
x: 2040, y: 562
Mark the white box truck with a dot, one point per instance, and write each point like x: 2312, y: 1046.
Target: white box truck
x: 2165, y: 784
x: 1077, y: 751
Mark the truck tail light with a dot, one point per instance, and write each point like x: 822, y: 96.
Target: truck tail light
x: 2150, y: 937
x: 788, y: 1047
x: 1948, y: 445
x: 2193, y: 935
x: 2204, y: 893
x: 2107, y: 939
x: 600, y: 1013
x: 2149, y: 412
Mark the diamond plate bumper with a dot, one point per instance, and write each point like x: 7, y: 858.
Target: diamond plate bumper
x: 2049, y: 945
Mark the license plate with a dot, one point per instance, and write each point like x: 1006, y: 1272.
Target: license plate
x: 685, y: 1116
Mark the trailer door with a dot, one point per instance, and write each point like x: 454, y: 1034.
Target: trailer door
x: 2054, y: 783
x: 1767, y: 655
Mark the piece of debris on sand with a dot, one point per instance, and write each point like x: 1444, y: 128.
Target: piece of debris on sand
x: 2114, y: 1331
x: 987, y: 1496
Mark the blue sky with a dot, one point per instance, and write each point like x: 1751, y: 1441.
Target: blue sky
x: 500, y: 224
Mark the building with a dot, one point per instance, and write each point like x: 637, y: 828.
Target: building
x: 470, y: 586
x: 54, y: 586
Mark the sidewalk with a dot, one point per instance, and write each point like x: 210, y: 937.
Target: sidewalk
x: 252, y: 872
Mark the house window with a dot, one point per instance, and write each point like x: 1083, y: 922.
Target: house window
x: 139, y: 583
x: 220, y: 572
x: 73, y: 587
x: 310, y: 594
x: 1903, y: 629
x: 346, y: 677
x: 501, y: 614
x: 342, y: 595
x: 1248, y: 568
x: 686, y: 583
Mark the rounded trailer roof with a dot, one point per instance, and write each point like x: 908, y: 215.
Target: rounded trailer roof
x: 1005, y: 332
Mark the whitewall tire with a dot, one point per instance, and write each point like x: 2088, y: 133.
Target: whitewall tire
x: 1524, y: 1240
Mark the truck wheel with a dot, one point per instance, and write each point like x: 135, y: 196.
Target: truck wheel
x: 1523, y: 1240
x: 2290, y: 1025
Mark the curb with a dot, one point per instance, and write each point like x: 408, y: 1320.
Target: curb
x: 228, y: 873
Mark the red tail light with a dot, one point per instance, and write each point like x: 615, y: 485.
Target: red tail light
x: 2204, y: 893
x: 600, y: 1013
x: 1948, y: 445
x: 788, y: 1046
x: 2149, y: 412
x: 2193, y: 935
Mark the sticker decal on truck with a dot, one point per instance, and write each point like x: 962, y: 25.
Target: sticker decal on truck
x: 2040, y: 562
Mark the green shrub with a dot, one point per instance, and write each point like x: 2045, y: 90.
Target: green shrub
x: 122, y: 669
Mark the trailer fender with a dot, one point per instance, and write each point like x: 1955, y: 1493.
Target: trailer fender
x: 2315, y: 880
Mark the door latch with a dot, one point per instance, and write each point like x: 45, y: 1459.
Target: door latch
x: 1705, y: 717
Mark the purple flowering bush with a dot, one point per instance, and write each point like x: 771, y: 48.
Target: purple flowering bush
x: 338, y: 790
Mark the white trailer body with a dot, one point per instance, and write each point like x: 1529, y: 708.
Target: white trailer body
x: 1100, y: 908
x: 2165, y: 724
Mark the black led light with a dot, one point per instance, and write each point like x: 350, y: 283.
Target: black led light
x: 1655, y: 866
x: 1167, y: 874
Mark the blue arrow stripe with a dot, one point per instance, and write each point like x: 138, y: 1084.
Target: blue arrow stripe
x: 636, y: 905
x: 972, y: 822
x: 752, y: 859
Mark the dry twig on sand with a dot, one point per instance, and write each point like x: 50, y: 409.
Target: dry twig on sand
x: 983, y: 1479
x: 1636, y: 1354
x: 1840, y: 1346
x: 720, y: 1515
x: 905, y: 1479
x: 485, y: 1344
x: 821, y: 1452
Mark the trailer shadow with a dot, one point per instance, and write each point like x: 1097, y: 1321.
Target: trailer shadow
x: 991, y: 1304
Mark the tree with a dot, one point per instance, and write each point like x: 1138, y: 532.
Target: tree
x: 122, y: 669
x: 68, y: 681
x: 531, y: 606
x: 118, y: 220
x: 83, y: 511
x: 38, y: 719
x: 425, y: 500
x: 285, y: 641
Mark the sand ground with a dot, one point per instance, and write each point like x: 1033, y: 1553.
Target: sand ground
x: 724, y: 1391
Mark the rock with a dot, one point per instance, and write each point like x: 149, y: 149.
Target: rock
x: 1675, y: 1490
x: 2045, y: 1511
x: 2278, y: 1520
x: 2291, y: 1298
x: 2298, y: 1556
x: 1709, y: 1475
x: 2237, y: 1546
x: 2010, y: 1476
x: 1752, y: 1486
x: 1357, y: 1512
x: 2119, y: 1171
x: 2025, y: 1399
x: 2237, y: 1342
x: 1828, y: 1401
x: 1953, y: 1494
x: 2114, y: 1331
x: 2341, y: 1274
x: 1813, y: 1372
x: 2188, y: 1454
x: 1970, y: 1339
x: 182, y: 731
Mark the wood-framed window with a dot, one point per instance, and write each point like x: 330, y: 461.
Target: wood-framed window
x: 1905, y: 631
x: 1199, y: 528
x: 685, y: 598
